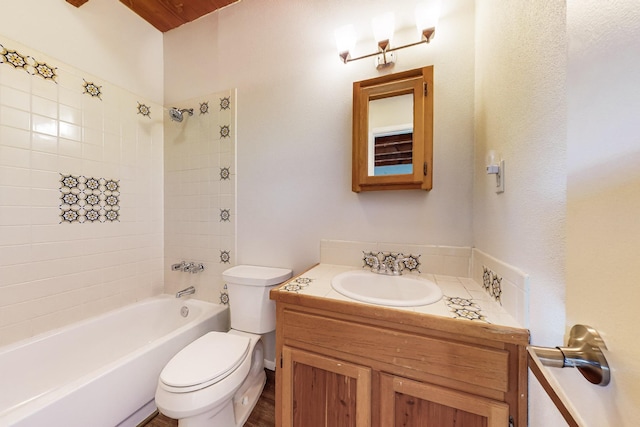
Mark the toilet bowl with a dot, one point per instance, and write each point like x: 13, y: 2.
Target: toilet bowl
x: 218, y: 378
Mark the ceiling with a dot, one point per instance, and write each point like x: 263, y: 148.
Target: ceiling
x: 166, y: 15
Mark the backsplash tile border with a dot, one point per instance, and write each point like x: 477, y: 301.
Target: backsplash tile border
x: 442, y: 260
x: 502, y: 282
x: 410, y: 263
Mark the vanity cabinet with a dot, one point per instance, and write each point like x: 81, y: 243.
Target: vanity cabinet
x: 344, y: 364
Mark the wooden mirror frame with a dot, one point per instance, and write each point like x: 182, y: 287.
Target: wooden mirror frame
x: 419, y: 82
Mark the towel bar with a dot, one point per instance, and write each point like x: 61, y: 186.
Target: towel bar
x: 584, y: 352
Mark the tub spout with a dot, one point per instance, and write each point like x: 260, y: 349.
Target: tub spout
x: 188, y: 291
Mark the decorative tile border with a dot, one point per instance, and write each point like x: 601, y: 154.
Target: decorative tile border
x: 28, y: 64
x: 224, y: 296
x: 225, y: 257
x: 145, y: 110
x: 463, y: 308
x: 297, y: 284
x: 225, y: 173
x: 88, y: 199
x: 492, y: 283
x: 410, y: 262
x: 92, y: 89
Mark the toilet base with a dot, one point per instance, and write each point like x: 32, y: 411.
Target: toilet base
x: 235, y: 412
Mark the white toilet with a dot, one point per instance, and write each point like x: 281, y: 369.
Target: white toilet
x: 217, y: 379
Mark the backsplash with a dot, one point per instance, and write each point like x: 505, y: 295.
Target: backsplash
x: 443, y: 260
x: 81, y: 194
x: 496, y: 281
x: 502, y: 283
x: 200, y: 188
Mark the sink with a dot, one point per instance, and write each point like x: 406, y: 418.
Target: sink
x: 395, y: 291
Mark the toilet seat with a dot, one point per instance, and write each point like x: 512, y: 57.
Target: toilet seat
x: 204, y: 362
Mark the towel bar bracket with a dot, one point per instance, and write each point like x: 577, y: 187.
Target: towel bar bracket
x: 583, y: 351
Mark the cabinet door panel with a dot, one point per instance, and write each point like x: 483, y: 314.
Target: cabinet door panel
x: 320, y: 391
x: 407, y: 403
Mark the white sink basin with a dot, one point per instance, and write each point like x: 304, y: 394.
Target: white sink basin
x: 396, y: 291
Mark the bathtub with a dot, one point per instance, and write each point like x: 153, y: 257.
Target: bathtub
x: 102, y: 371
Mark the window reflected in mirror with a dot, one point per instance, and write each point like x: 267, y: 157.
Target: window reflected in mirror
x: 391, y: 136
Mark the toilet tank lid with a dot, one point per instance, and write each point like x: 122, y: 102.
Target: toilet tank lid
x: 254, y: 275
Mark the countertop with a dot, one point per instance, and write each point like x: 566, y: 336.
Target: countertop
x: 462, y: 297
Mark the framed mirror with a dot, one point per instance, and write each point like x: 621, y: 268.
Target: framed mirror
x: 393, y: 132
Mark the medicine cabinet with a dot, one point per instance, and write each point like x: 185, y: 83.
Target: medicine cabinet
x: 393, y: 132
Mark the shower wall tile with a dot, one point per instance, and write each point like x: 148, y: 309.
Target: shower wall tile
x: 200, y: 210
x: 52, y: 274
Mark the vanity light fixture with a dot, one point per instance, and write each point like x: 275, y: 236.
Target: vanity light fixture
x: 427, y: 15
x: 495, y: 166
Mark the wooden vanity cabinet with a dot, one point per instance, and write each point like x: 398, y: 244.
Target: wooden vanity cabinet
x: 343, y: 364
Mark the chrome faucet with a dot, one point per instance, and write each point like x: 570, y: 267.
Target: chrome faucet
x: 188, y: 291
x: 188, y: 267
x: 392, y: 269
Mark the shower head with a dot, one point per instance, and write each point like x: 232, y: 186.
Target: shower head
x: 176, y: 114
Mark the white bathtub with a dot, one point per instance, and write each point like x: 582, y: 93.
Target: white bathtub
x: 102, y: 371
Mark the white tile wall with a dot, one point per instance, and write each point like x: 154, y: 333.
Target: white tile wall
x: 195, y: 194
x: 515, y: 284
x: 52, y: 274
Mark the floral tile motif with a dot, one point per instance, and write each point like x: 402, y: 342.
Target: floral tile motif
x: 204, y: 107
x: 145, y: 110
x: 224, y: 296
x: 45, y: 71
x: 492, y: 283
x: 406, y: 262
x: 225, y: 174
x: 92, y: 89
x: 463, y: 308
x: 28, y: 64
x: 298, y: 284
x: 225, y: 103
x: 85, y: 199
x: 225, y: 215
x: 225, y: 131
x: 225, y: 257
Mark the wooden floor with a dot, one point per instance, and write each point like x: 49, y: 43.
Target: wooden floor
x: 263, y: 414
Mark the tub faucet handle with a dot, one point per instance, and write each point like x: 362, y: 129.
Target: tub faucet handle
x: 179, y: 266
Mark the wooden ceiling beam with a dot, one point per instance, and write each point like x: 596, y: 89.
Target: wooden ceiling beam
x: 77, y: 3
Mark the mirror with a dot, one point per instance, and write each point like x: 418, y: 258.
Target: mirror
x: 393, y: 131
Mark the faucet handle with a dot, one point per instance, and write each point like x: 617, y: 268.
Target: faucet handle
x: 398, y: 264
x: 179, y: 266
x: 196, y: 268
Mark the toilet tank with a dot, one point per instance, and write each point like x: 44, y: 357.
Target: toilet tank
x: 249, y: 304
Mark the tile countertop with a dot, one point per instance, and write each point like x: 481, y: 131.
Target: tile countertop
x: 462, y: 297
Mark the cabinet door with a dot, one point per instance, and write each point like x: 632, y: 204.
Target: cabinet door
x: 319, y: 391
x: 408, y: 403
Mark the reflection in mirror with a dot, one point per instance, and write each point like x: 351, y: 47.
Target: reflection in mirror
x: 390, y: 148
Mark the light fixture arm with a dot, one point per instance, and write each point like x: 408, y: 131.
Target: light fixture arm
x: 383, y: 47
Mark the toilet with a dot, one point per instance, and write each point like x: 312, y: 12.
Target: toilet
x: 218, y: 378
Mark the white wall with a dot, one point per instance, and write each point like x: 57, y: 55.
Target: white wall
x: 521, y: 113
x: 294, y: 123
x: 102, y: 37
x: 54, y: 273
x: 604, y: 199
